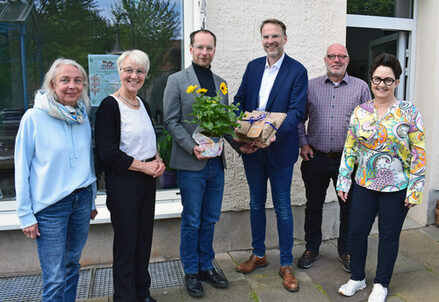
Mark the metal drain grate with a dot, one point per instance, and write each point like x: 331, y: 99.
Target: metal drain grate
x: 166, y: 274
x: 102, y: 283
x: 93, y: 283
x: 24, y: 288
x: 28, y: 288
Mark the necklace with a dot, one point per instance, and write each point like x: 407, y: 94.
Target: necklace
x: 124, y: 99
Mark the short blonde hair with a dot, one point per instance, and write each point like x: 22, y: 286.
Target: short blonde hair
x: 50, y: 76
x: 137, y: 56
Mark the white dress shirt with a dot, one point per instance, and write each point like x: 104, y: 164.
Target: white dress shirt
x: 270, y: 73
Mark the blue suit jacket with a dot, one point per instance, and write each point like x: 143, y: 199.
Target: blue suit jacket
x: 288, y: 95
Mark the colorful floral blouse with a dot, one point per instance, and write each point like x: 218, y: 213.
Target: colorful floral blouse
x: 389, y: 152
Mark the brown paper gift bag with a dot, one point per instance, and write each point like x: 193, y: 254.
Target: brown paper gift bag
x: 260, y: 126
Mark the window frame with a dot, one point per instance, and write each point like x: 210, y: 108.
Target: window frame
x: 395, y: 24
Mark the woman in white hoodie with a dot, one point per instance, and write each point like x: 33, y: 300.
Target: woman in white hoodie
x: 54, y: 177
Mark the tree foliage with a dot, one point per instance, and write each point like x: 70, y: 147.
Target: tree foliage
x: 372, y: 7
x: 148, y: 25
x: 72, y: 29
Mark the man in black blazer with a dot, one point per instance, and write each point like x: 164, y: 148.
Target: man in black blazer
x: 275, y: 83
x: 200, y: 179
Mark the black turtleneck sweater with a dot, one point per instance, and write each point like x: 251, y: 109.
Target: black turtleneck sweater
x: 205, y: 78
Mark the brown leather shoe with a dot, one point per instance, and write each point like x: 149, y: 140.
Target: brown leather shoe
x: 251, y: 264
x: 290, y: 282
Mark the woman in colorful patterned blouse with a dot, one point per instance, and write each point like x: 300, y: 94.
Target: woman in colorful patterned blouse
x: 386, y: 141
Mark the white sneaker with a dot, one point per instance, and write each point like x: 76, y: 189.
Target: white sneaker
x: 378, y: 294
x: 351, y: 287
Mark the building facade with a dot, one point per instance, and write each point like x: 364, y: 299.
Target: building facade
x: 407, y: 28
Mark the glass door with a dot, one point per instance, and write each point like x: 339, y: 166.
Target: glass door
x: 395, y: 44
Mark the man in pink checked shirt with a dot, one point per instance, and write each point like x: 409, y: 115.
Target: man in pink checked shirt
x: 331, y: 100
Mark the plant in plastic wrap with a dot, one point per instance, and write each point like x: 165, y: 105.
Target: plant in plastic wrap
x: 214, y: 119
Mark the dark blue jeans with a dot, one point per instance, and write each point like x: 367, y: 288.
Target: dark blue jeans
x: 258, y: 170
x: 365, y: 205
x: 64, y: 228
x: 201, y: 196
x: 317, y: 174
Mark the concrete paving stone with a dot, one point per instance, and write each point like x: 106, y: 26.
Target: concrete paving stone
x: 173, y: 294
x: 394, y: 299
x: 419, y: 286
x: 432, y: 231
x: 420, y: 247
x: 328, y: 274
x: 272, y: 261
x: 226, y: 263
x: 239, y: 291
x: 269, y: 288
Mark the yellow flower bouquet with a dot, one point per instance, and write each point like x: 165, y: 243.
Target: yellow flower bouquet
x: 215, y: 118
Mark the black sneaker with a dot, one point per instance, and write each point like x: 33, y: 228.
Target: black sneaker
x: 214, y: 278
x: 193, y: 285
x: 307, y: 259
x: 346, y: 261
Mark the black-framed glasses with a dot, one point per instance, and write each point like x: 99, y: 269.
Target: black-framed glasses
x: 340, y: 57
x: 386, y: 81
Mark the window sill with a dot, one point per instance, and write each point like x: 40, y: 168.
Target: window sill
x: 168, y: 205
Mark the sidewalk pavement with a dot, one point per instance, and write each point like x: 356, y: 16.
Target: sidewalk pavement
x: 415, y: 278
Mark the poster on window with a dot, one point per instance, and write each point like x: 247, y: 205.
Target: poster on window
x: 103, y: 77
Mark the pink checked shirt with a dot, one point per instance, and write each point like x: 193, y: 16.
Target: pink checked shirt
x: 328, y: 111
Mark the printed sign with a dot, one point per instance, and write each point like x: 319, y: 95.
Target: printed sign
x: 103, y: 77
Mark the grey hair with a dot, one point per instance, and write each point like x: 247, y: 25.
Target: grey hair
x: 137, y: 56
x: 339, y: 44
x: 50, y: 76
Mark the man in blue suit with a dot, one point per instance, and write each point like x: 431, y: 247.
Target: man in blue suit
x: 275, y: 83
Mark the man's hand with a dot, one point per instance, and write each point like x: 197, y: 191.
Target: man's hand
x: 32, y: 231
x: 306, y: 152
x: 248, y: 148
x: 343, y: 195
x: 197, y: 152
x: 93, y: 214
x: 260, y: 145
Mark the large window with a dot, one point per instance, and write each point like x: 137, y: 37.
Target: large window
x: 34, y: 33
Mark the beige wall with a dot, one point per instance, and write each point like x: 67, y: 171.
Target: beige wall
x: 426, y: 100
x: 311, y: 26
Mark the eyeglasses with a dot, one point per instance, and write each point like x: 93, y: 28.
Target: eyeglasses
x: 273, y: 37
x: 129, y: 71
x: 208, y: 48
x: 340, y: 57
x: 386, y: 81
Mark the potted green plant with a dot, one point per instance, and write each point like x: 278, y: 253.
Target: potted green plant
x: 169, y: 178
x: 214, y: 119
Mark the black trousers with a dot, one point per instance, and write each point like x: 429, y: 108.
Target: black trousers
x: 131, y: 202
x: 366, y: 205
x: 317, y: 174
